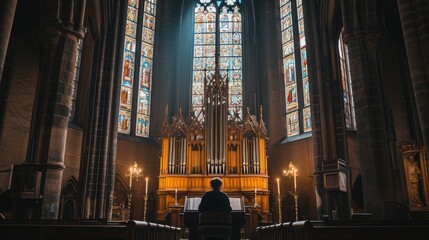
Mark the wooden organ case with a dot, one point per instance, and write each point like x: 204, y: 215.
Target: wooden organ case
x: 217, y: 142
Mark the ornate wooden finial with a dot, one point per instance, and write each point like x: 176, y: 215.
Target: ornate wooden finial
x: 411, y: 146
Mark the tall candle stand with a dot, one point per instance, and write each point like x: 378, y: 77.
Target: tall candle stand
x: 145, y: 207
x: 175, y: 198
x: 256, y: 200
x: 134, y: 172
x: 280, y: 208
x: 291, y: 171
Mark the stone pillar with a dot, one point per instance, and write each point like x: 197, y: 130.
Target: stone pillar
x: 7, y: 13
x: 97, y: 169
x: 50, y: 120
x: 415, y: 26
x: 328, y: 129
x: 48, y: 133
x: 370, y: 117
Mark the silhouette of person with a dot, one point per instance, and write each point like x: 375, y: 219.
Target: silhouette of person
x: 215, y: 200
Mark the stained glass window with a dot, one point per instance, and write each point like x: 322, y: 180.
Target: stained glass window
x: 295, y: 72
x: 207, y: 12
x: 349, y: 109
x: 137, y: 69
x: 76, y: 80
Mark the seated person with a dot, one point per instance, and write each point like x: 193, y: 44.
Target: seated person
x: 215, y: 200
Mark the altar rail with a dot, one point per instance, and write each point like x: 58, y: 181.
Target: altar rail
x: 345, y: 230
x: 87, y: 230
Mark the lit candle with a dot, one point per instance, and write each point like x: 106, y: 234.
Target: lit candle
x: 147, y: 180
x: 175, y: 191
x: 131, y: 177
x: 278, y: 186
x: 255, y: 190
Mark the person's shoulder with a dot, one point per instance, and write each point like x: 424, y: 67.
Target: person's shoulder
x: 225, y: 194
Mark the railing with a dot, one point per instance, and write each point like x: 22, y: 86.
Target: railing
x: 88, y: 230
x: 345, y: 230
x: 152, y: 231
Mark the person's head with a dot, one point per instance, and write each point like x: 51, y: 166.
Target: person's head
x: 216, y: 183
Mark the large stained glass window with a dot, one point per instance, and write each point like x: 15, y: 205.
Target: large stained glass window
x: 227, y: 13
x: 137, y: 68
x: 75, y: 86
x: 294, y: 53
x: 349, y: 109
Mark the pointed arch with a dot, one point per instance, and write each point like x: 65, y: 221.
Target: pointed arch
x: 68, y: 200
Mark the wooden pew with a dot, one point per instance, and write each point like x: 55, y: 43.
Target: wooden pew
x: 347, y: 230
x: 86, y: 230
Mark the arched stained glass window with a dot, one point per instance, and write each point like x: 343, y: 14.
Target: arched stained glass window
x: 74, y: 99
x: 294, y: 53
x: 137, y: 68
x: 229, y: 33
x: 349, y: 108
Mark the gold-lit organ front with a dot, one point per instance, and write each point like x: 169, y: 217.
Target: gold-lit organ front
x: 217, y: 141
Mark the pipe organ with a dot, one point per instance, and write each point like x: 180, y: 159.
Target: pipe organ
x: 215, y: 143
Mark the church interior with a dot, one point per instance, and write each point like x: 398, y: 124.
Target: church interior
x: 310, y: 111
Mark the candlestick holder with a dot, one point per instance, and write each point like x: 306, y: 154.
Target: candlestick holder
x: 256, y: 200
x: 291, y: 171
x: 280, y: 208
x: 145, y: 207
x: 175, y: 198
x: 134, y: 173
x: 295, y: 197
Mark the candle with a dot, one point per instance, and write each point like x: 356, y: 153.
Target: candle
x: 10, y: 177
x: 278, y: 186
x: 255, y: 190
x: 175, y: 191
x: 147, y: 180
x: 131, y: 177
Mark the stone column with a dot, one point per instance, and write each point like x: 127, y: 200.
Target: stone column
x: 97, y: 169
x: 52, y: 106
x: 415, y: 26
x: 7, y: 13
x: 328, y: 129
x: 371, y: 129
x: 50, y: 120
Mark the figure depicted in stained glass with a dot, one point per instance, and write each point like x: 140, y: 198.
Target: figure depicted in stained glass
x: 130, y: 29
x: 306, y: 92
x: 198, y: 22
x: 149, y: 8
x: 124, y: 123
x: 289, y: 71
x: 130, y: 45
x: 291, y: 94
x: 304, y: 63
x: 148, y: 35
x: 292, y: 121
x: 145, y: 76
x: 128, y: 72
x: 149, y: 21
x: 132, y: 14
x: 307, y: 120
x: 124, y: 96
x: 132, y: 3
